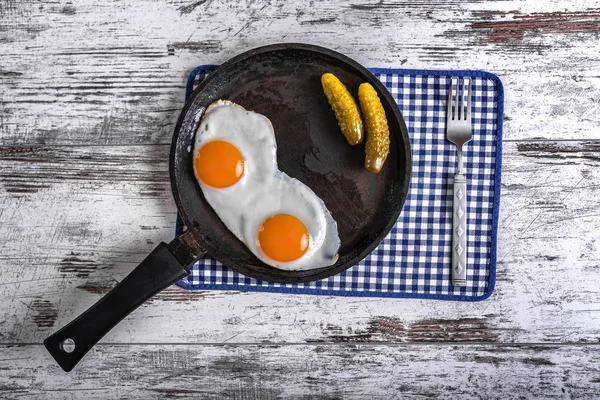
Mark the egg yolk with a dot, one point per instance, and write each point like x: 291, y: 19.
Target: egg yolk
x: 283, y: 237
x: 219, y: 164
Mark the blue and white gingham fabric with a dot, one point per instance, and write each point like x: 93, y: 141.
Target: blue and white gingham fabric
x: 414, y: 259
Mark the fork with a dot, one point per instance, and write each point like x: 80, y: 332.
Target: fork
x: 458, y: 131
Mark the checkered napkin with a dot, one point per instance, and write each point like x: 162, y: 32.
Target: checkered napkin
x: 414, y: 259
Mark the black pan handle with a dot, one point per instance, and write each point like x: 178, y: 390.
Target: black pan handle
x: 163, y: 267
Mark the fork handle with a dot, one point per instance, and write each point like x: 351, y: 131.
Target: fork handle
x: 459, y: 231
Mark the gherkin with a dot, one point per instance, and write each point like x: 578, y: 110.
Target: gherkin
x: 377, y: 147
x: 345, y: 108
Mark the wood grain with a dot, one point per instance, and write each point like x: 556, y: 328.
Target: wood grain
x: 307, y: 372
x: 90, y: 94
x: 96, y: 73
x: 77, y: 218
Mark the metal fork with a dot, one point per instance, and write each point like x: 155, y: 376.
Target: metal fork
x: 458, y: 131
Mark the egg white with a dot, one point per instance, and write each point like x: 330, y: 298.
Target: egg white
x: 263, y: 190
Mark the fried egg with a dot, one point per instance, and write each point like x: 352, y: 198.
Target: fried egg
x: 280, y: 219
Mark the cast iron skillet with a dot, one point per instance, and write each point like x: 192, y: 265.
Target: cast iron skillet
x: 281, y: 81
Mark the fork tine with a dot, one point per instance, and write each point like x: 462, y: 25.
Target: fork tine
x: 451, y: 106
x: 456, y: 91
x: 468, y: 116
x: 460, y: 91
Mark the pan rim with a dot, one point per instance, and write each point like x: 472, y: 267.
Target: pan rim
x: 319, y: 273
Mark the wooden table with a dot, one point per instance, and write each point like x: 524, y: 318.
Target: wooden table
x: 90, y: 92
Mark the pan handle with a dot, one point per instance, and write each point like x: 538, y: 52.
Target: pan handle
x: 163, y: 267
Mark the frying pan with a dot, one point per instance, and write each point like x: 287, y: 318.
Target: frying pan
x: 281, y: 81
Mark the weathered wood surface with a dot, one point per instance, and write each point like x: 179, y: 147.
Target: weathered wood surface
x: 92, y: 72
x: 307, y: 371
x: 90, y: 94
x: 76, y: 220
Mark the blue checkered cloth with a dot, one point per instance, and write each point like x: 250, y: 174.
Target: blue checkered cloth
x: 414, y: 259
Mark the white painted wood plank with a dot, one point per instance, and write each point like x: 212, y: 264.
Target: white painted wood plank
x: 96, y: 73
x: 75, y: 220
x: 306, y: 372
